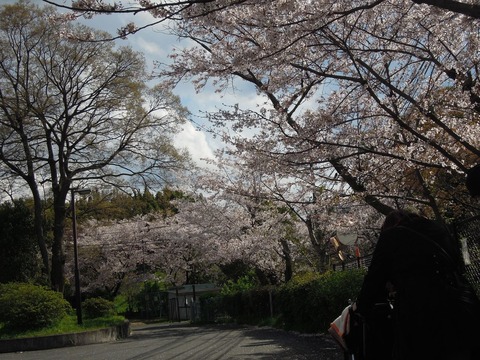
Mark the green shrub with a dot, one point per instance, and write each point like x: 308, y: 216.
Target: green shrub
x: 26, y: 306
x: 244, y: 283
x: 98, y: 307
x: 308, y: 303
x: 121, y: 304
x: 310, y: 306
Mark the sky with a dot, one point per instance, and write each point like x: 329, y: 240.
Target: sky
x: 156, y: 45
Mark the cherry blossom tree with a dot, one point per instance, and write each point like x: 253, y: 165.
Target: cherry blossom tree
x: 171, y: 9
x: 163, y: 11
x: 316, y: 210
x: 222, y: 229
x: 383, y: 74
x: 262, y: 233
x: 191, y: 245
x: 384, y: 98
x: 360, y: 103
x: 112, y: 251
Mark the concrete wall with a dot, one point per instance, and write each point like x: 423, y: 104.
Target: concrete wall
x: 74, y: 339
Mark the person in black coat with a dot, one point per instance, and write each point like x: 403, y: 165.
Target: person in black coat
x: 414, y: 263
x: 473, y: 181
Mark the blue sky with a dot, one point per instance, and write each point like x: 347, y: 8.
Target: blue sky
x: 156, y: 44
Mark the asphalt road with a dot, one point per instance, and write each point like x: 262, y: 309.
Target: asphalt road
x: 184, y: 341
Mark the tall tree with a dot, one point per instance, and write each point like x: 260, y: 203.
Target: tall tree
x: 75, y: 111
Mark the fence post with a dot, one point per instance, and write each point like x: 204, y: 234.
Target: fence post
x: 271, y: 302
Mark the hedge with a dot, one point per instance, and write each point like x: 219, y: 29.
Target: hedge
x: 26, y: 306
x: 311, y: 306
x: 305, y: 305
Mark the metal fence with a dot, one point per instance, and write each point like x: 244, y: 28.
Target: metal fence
x: 467, y: 233
x: 357, y: 263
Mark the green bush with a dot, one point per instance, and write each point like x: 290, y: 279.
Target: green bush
x: 26, y: 306
x: 98, y: 307
x: 244, y: 283
x: 310, y: 306
x: 308, y: 303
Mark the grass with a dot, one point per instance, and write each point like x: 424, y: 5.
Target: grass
x: 67, y: 325
x: 275, y: 322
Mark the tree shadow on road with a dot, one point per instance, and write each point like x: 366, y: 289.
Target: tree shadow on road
x: 230, y: 341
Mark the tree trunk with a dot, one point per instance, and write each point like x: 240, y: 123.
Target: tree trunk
x: 58, y: 253
x: 39, y: 231
x: 288, y: 260
x: 319, y: 244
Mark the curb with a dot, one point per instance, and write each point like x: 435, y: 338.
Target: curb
x: 74, y: 339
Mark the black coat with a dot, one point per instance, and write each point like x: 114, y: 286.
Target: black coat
x: 427, y: 320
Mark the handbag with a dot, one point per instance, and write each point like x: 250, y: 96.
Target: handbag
x: 340, y: 328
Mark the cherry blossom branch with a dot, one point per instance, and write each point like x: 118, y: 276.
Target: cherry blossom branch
x: 470, y: 10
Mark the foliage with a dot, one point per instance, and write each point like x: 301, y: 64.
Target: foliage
x: 68, y: 324
x: 89, y: 126
x: 244, y: 283
x: 308, y: 304
x: 26, y: 306
x: 117, y: 205
x: 120, y: 303
x: 304, y: 277
x: 152, y: 300
x: 249, y: 306
x: 312, y: 305
x: 19, y: 261
x: 143, y: 299
x: 212, y: 309
x: 98, y: 307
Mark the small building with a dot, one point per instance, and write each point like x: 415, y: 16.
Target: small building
x: 183, y: 300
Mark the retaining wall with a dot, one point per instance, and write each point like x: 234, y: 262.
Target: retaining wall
x: 74, y: 339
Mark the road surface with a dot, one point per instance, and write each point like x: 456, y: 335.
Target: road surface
x: 184, y: 341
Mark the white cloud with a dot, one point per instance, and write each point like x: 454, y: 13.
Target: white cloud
x: 151, y: 48
x: 195, y: 142
x: 156, y: 44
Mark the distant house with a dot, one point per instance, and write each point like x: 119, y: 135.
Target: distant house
x: 183, y: 300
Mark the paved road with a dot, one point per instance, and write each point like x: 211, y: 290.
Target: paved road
x: 184, y: 341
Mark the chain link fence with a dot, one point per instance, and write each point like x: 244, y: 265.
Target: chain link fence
x: 467, y: 233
